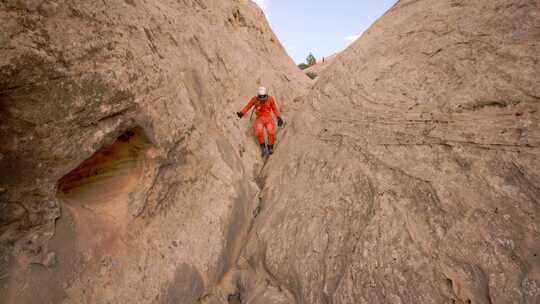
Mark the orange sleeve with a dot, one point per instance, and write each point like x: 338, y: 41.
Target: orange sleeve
x: 248, y: 106
x: 274, y: 107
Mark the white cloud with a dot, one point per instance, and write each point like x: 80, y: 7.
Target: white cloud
x: 352, y: 38
x: 262, y: 3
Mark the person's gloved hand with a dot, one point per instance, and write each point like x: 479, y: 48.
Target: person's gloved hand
x: 240, y: 114
x: 279, y: 122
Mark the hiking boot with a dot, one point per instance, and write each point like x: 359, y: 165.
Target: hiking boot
x: 270, y: 149
x: 264, y: 150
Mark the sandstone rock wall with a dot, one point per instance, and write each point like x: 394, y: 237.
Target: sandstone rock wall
x: 409, y: 174
x: 125, y: 176
x: 413, y: 174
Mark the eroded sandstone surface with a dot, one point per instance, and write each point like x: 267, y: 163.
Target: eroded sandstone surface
x: 413, y: 173
x: 125, y: 176
x: 409, y: 173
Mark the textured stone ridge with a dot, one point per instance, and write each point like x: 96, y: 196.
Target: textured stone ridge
x: 413, y: 176
x: 409, y: 173
x: 125, y: 176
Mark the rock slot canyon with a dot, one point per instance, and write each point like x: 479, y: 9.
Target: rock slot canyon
x: 408, y: 171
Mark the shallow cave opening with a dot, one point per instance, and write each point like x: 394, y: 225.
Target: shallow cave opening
x: 97, y: 192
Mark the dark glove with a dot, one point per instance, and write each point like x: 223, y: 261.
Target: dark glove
x: 280, y: 122
x: 240, y: 114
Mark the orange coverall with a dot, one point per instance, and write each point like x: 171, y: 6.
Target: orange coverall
x: 263, y: 114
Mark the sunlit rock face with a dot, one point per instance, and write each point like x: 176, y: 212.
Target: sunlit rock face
x: 408, y: 173
x: 413, y: 175
x: 125, y: 176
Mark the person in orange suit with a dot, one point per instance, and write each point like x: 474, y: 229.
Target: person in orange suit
x: 264, y: 105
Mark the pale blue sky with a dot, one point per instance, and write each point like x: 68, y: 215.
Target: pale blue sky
x: 319, y: 26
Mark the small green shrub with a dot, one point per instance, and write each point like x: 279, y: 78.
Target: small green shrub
x: 311, y: 60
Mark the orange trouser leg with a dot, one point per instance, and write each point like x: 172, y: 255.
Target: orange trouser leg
x: 258, y: 127
x: 271, y: 129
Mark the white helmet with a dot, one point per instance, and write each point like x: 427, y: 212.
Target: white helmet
x: 262, y: 93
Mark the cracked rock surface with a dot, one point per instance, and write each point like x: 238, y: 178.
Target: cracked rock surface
x: 125, y: 176
x: 409, y: 173
x: 412, y: 174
